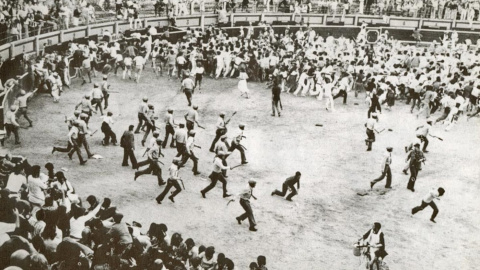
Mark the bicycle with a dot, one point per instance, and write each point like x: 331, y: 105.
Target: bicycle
x: 363, y: 252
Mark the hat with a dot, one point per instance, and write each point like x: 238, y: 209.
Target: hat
x: 22, y: 92
x: 13, y: 107
x: 76, y: 112
x: 145, y: 99
x: 417, y: 144
x: 105, y: 77
x: 224, y: 136
x: 150, y: 106
x: 95, y: 85
x: 170, y: 110
x: 252, y: 182
x: 159, y: 140
x: 389, y: 149
x: 83, y: 115
x: 87, y: 96
x: 195, y: 107
x: 222, y: 114
x: 241, y: 125
x: 192, y: 132
x: 374, y: 114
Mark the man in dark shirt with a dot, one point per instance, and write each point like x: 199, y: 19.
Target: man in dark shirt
x: 120, y: 234
x: 128, y: 143
x: 276, y: 90
x: 415, y: 156
x: 289, y: 183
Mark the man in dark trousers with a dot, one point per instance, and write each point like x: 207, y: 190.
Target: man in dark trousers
x: 82, y: 134
x: 105, y: 88
x: 22, y: 101
x: 189, y: 154
x: 289, y: 183
x: 222, y: 146
x: 244, y: 197
x: 171, y: 182
x: 416, y: 157
x: 374, y: 104
x: 236, y: 143
x: 107, y: 130
x: 150, y: 123
x: 276, y: 90
x: 73, y: 144
x: 221, y: 129
x: 192, y: 117
x: 387, y: 161
x: 371, y: 129
x: 428, y: 201
x: 217, y: 175
x: 128, y: 143
x: 142, y: 114
x: 154, y: 164
x: 11, y: 124
x: 181, y: 140
x: 169, y: 128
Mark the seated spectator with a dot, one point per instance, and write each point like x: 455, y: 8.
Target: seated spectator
x: 23, y: 227
x: 77, y: 222
x: 120, y: 235
x: 36, y: 187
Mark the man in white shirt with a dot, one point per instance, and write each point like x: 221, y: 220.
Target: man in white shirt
x: 244, y: 197
x: 371, y: 129
x: 139, y: 62
x: 236, y: 143
x: 387, y: 161
x: 429, y: 201
x: 97, y: 96
x: 189, y: 154
x: 171, y: 182
x: 217, y: 175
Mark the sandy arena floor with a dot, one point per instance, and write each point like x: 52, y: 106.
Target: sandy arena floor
x: 317, y: 230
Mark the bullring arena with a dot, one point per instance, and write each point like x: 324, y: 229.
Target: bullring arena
x: 335, y: 205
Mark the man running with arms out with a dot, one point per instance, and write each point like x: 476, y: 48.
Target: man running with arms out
x: 428, y: 201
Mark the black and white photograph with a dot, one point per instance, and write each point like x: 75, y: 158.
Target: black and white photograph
x: 239, y: 134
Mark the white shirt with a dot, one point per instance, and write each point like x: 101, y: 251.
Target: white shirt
x: 77, y: 225
x: 433, y: 194
x: 108, y: 120
x: 36, y: 187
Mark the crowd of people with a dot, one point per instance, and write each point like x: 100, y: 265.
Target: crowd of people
x: 49, y: 226
x: 440, y: 83
x: 29, y: 18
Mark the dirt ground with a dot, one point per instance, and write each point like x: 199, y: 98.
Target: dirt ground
x: 317, y: 229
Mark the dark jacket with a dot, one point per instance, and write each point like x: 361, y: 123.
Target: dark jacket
x: 128, y: 140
